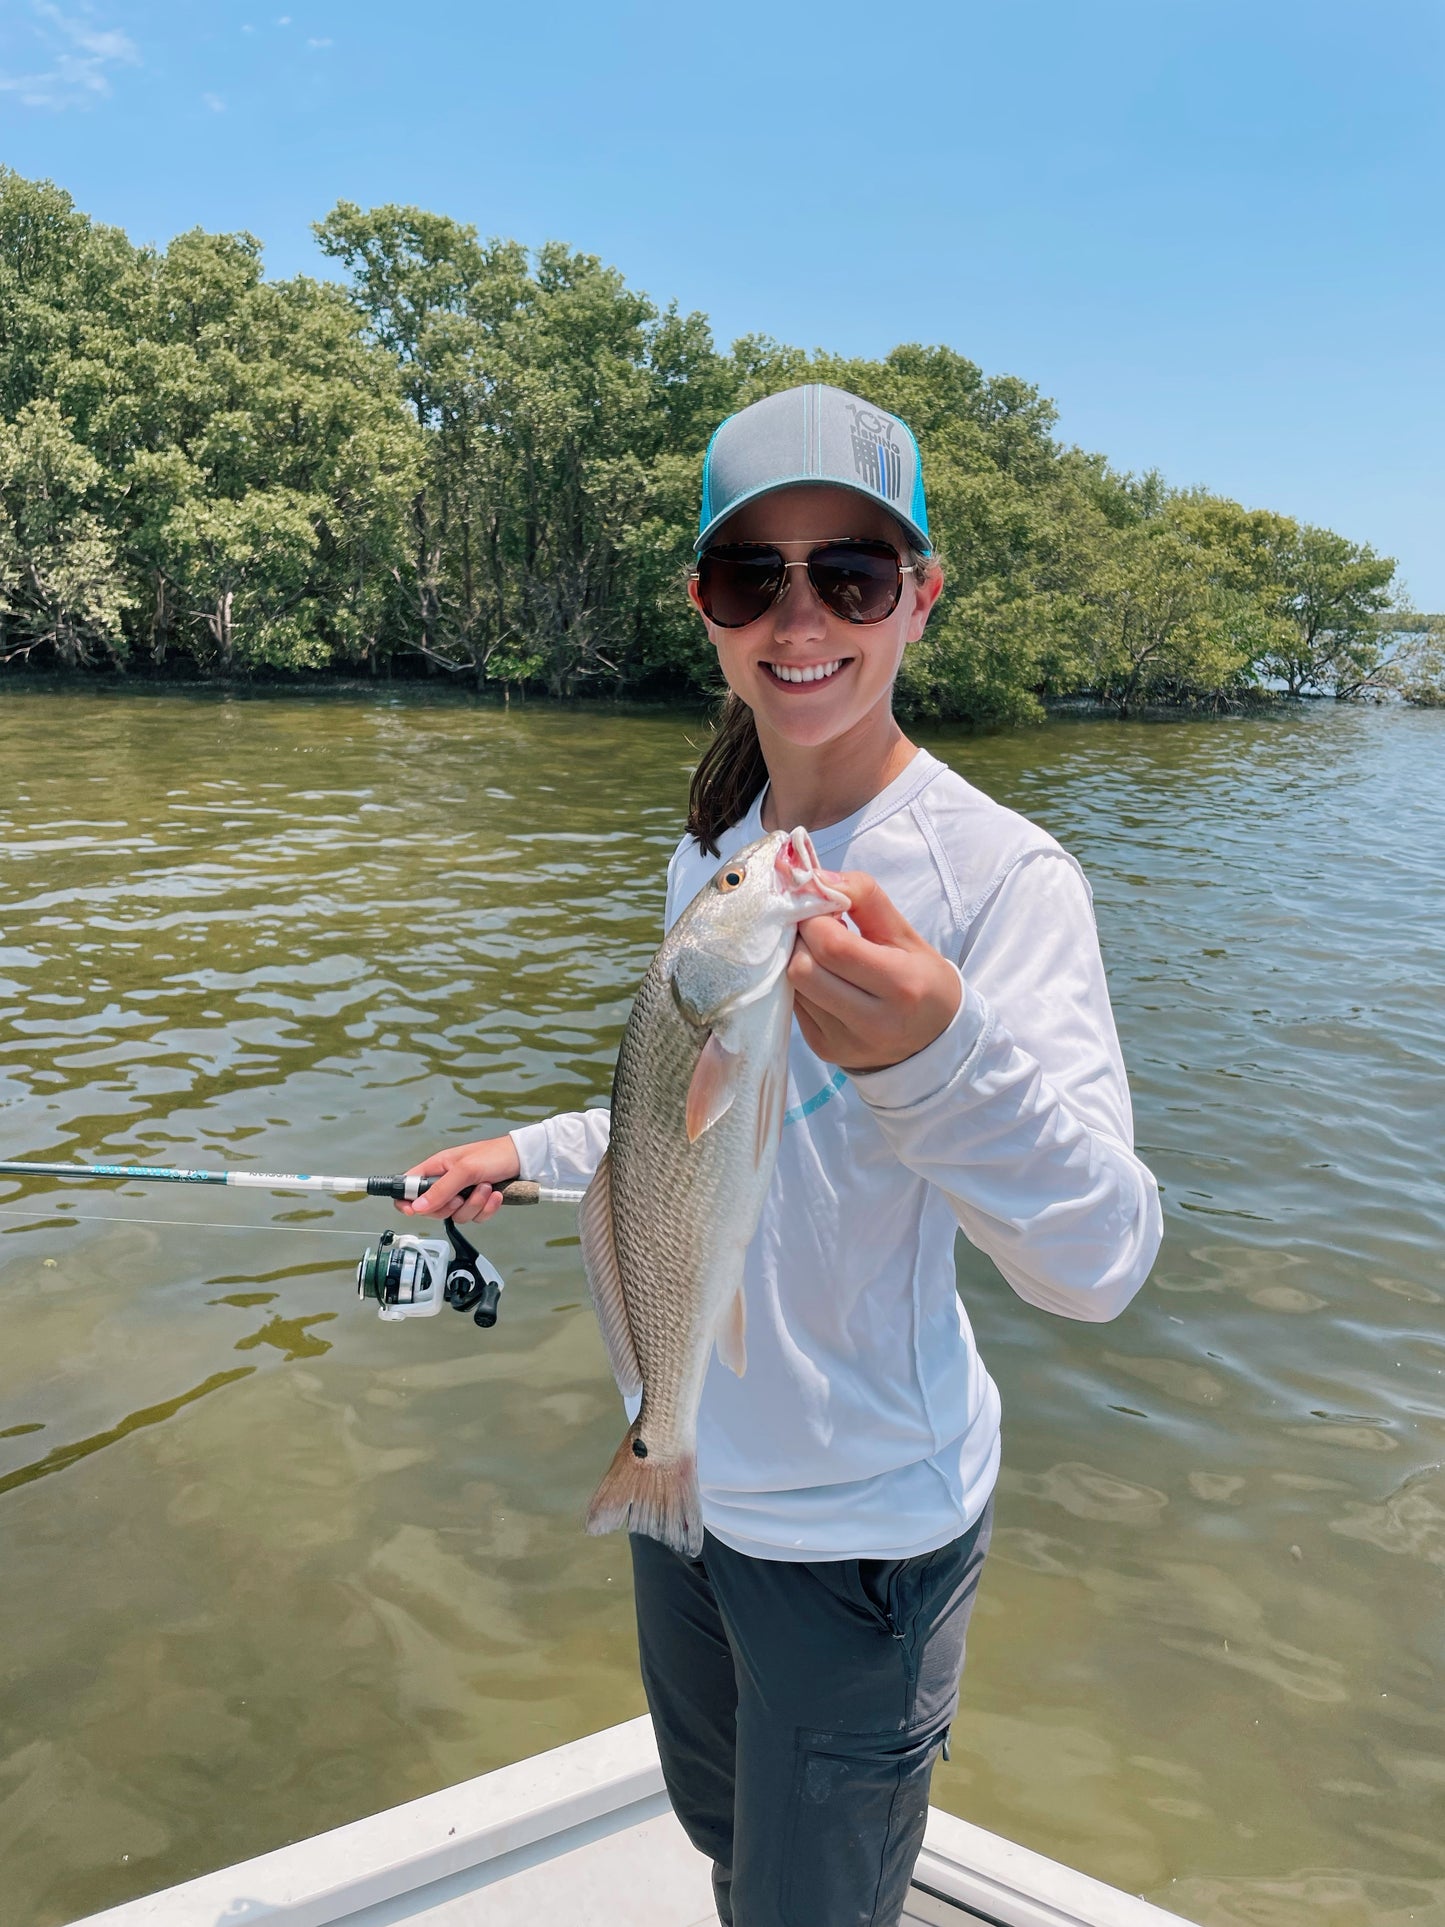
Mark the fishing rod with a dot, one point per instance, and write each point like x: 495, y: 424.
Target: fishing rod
x: 407, y: 1189
x: 407, y: 1276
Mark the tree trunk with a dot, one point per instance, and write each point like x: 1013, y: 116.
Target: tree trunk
x: 221, y: 629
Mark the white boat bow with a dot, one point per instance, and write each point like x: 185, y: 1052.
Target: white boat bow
x: 583, y: 1836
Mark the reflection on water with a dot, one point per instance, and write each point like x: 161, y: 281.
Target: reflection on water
x: 65, y: 1455
x: 296, y: 1565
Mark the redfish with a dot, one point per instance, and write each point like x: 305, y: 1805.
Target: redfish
x: 697, y: 1111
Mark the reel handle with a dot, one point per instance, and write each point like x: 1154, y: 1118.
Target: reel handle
x: 472, y: 1285
x: 485, y: 1313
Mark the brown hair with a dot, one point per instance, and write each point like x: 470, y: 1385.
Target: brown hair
x: 731, y: 770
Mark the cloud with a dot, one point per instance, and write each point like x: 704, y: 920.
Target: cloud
x: 215, y: 103
x: 74, y: 59
x: 314, y: 42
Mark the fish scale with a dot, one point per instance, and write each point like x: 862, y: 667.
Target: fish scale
x: 697, y: 1104
x: 672, y: 1324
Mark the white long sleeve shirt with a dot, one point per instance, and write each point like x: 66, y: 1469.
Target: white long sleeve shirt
x: 866, y: 1425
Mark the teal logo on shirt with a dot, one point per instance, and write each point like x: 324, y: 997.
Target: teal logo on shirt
x: 816, y: 1102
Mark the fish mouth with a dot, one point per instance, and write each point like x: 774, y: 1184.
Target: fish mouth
x: 798, y: 873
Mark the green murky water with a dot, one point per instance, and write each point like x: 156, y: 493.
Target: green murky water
x: 267, y: 1564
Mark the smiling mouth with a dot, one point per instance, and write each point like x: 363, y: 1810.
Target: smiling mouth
x: 797, y: 678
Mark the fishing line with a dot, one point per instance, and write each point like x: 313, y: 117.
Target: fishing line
x: 173, y: 1224
x: 406, y: 1275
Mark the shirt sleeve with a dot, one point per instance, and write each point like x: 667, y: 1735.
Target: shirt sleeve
x: 1019, y: 1112
x: 567, y: 1148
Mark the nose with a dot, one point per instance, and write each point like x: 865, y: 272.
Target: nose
x: 798, y: 614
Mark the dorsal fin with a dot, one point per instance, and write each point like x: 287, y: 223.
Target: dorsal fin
x: 604, y: 1279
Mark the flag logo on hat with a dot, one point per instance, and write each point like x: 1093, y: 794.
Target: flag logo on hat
x: 876, y: 455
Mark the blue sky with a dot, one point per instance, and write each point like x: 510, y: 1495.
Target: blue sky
x: 1211, y: 232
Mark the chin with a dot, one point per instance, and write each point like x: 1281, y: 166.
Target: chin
x: 811, y: 721
x: 814, y: 732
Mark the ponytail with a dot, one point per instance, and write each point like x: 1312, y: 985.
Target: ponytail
x: 728, y: 777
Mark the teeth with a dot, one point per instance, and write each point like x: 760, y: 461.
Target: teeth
x: 818, y: 674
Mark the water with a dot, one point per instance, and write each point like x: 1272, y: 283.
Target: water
x: 267, y: 1564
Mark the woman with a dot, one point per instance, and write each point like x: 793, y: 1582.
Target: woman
x: 954, y: 1063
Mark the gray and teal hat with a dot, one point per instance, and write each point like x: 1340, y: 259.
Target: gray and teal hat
x: 813, y: 434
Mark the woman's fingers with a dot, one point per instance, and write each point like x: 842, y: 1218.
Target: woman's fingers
x: 483, y: 1201
x: 474, y: 1209
x: 868, y: 956
x: 446, y: 1193
x: 874, y: 995
x: 828, y: 990
x: 843, y: 953
x: 877, y: 916
x: 474, y: 1168
x: 451, y: 1173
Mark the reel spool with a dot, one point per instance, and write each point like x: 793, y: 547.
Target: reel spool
x: 411, y: 1277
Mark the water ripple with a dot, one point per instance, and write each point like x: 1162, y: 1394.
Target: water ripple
x: 334, y: 934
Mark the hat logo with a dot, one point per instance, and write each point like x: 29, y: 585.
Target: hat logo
x: 876, y: 455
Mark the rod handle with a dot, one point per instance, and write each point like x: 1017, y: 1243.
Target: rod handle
x: 517, y: 1191
x: 521, y: 1191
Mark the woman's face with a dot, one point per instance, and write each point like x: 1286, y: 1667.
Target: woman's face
x: 859, y: 661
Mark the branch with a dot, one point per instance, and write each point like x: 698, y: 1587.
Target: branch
x: 421, y: 649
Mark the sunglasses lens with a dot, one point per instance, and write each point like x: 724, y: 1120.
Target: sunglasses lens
x: 860, y: 581
x: 736, y: 584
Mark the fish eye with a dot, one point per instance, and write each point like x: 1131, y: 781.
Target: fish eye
x: 731, y: 877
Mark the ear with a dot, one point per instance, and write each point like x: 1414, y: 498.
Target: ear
x: 925, y: 594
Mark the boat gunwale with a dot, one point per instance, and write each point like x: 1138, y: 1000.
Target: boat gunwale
x: 571, y: 1795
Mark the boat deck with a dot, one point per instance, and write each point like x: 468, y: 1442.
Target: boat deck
x: 583, y: 1836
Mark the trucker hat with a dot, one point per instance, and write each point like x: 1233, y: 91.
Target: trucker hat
x: 813, y: 434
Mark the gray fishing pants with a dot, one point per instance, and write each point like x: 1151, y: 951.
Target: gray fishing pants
x: 799, y: 1709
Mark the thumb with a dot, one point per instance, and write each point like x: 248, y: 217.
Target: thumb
x: 874, y: 913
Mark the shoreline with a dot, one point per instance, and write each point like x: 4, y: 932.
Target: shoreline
x: 426, y: 691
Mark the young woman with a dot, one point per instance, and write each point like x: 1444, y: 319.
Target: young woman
x: 954, y: 1063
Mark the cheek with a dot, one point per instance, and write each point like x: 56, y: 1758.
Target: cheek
x: 885, y: 650
x: 733, y: 655
x: 728, y: 658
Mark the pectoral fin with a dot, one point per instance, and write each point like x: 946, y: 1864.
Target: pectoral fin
x: 713, y: 1087
x: 732, y: 1346
x: 604, y: 1279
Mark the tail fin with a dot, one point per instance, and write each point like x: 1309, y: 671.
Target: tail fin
x: 651, y: 1496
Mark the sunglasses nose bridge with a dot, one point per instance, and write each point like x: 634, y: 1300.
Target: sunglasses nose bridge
x: 788, y: 607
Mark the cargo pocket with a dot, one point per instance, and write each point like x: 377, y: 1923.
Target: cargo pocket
x: 858, y: 1812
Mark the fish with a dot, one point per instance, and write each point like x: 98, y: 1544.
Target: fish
x: 698, y: 1097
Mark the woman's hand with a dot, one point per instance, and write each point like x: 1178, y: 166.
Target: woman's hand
x: 871, y: 997
x: 492, y: 1160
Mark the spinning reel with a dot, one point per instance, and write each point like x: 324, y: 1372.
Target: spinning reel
x: 412, y: 1277
x: 406, y: 1276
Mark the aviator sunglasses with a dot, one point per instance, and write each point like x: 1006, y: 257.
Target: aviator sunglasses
x: 739, y: 581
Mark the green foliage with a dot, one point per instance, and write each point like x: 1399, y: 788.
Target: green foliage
x: 1417, y: 669
x: 478, y: 460
x: 232, y: 460
x: 59, y: 584
x: 1329, y: 594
